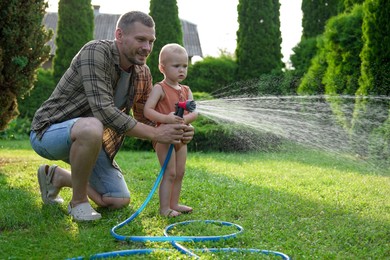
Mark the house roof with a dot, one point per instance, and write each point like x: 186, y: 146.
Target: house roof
x: 191, y: 38
x: 105, y: 25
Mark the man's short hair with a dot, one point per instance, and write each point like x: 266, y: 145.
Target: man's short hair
x: 129, y: 18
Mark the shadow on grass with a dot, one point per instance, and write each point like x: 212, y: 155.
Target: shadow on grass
x: 32, y: 230
x: 302, y: 224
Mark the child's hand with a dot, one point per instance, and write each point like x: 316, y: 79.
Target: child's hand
x: 173, y: 119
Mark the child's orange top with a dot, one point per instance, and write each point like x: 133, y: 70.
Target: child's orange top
x: 167, y: 104
x: 172, y: 96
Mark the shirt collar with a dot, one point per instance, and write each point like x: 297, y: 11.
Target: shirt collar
x: 115, y: 52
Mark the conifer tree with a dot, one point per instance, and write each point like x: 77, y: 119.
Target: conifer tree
x: 165, y: 14
x: 22, y: 51
x: 375, y: 55
x: 315, y: 15
x: 348, y: 4
x: 258, y: 38
x: 75, y: 28
x: 374, y: 79
x: 343, y: 44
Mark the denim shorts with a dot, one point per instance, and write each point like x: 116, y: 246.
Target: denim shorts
x: 55, y: 144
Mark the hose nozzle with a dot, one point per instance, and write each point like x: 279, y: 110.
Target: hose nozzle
x: 188, y: 105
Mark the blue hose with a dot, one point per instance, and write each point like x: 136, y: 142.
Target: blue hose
x: 175, y: 239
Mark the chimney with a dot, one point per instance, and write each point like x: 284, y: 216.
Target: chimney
x: 96, y: 10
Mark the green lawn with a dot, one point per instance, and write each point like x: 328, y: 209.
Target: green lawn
x: 304, y: 203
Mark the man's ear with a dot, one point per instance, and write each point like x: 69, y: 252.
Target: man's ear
x: 118, y: 35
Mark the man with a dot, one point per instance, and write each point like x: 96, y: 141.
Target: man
x: 87, y: 116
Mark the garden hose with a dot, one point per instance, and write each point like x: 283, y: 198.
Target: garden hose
x: 180, y: 107
x: 176, y: 239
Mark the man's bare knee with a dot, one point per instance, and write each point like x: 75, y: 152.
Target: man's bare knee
x: 88, y: 127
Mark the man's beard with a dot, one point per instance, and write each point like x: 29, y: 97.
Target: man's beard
x: 135, y: 61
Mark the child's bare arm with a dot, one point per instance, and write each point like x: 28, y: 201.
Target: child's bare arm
x: 150, y: 105
x: 190, y: 117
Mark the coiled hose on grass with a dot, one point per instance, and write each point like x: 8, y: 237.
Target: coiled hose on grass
x: 175, y: 239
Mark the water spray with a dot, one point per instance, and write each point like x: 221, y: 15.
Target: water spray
x: 189, y: 106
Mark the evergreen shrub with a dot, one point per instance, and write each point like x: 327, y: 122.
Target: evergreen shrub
x: 135, y: 144
x: 17, y: 129
x: 211, y: 74
x: 379, y: 143
x: 278, y: 83
x: 214, y: 137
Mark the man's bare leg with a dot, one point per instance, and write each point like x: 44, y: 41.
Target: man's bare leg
x: 87, y: 136
x: 62, y: 178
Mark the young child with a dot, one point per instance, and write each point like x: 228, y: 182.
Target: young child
x: 160, y: 108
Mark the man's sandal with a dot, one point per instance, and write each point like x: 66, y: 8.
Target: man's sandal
x: 83, y: 212
x: 49, y: 193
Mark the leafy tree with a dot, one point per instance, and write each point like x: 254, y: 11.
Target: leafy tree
x: 75, y: 28
x: 168, y: 30
x: 22, y: 51
x: 258, y: 38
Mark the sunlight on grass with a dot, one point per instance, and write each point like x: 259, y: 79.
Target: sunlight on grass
x: 305, y: 203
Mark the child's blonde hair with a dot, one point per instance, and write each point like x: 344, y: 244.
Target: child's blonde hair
x: 169, y: 49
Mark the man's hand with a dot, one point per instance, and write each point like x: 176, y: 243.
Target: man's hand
x: 188, y: 134
x: 169, y: 133
x: 165, y: 133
